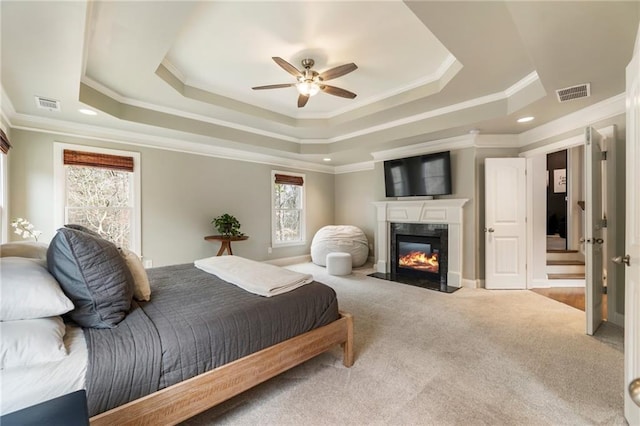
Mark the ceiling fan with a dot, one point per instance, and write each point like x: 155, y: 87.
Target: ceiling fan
x: 310, y: 82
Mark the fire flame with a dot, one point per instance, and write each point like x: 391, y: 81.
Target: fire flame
x: 420, y: 261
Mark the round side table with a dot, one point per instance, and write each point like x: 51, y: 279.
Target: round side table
x: 225, y: 242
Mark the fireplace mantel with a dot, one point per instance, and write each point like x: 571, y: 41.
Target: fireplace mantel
x: 446, y: 211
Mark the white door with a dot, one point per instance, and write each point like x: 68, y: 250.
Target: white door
x: 505, y: 223
x: 593, y: 241
x: 632, y: 243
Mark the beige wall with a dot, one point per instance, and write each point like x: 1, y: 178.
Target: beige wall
x: 180, y: 194
x: 354, y: 193
x: 463, y: 178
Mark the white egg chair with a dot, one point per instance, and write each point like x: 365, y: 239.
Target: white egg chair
x: 341, y: 239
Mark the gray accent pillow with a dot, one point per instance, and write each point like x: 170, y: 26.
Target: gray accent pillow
x: 93, y: 275
x: 83, y: 229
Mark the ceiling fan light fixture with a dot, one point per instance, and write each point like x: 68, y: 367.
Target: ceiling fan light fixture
x: 310, y: 82
x: 308, y: 88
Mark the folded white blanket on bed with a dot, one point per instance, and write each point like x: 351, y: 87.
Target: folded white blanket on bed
x: 255, y: 277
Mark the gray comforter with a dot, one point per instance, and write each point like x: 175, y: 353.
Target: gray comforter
x: 194, y: 322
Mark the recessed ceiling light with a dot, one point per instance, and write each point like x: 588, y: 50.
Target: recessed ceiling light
x: 87, y: 111
x: 326, y: 159
x: 525, y: 119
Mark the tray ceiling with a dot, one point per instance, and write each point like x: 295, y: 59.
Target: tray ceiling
x: 426, y: 70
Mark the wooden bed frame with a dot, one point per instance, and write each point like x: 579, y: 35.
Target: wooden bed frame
x: 186, y: 399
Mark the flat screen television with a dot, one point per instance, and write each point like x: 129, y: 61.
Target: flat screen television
x: 423, y: 175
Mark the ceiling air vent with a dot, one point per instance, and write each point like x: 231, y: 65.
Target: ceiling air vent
x: 574, y: 92
x: 48, y: 104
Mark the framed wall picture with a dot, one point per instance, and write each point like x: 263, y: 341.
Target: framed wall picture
x: 560, y: 180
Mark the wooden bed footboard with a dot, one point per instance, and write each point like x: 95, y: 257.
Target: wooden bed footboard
x: 190, y: 397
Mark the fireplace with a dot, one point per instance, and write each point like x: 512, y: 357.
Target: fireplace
x: 419, y: 250
x: 419, y: 255
x: 439, y: 219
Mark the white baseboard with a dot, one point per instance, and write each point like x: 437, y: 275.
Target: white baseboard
x: 285, y: 261
x: 472, y: 283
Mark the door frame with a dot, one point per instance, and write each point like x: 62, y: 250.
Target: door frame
x: 535, y: 226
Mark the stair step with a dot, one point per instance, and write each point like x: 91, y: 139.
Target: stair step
x: 565, y: 255
x: 565, y: 269
x: 565, y: 276
x: 565, y: 262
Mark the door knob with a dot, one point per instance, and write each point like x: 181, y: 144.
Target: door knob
x: 634, y: 391
x: 490, y: 230
x: 620, y: 260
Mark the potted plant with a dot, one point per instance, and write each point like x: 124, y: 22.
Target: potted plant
x: 227, y: 225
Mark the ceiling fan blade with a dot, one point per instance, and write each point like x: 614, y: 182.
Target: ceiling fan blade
x: 302, y: 100
x: 273, y: 86
x: 287, y: 66
x: 338, y: 71
x: 336, y: 91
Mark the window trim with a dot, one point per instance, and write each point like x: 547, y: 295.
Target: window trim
x: 303, y: 219
x: 59, y: 183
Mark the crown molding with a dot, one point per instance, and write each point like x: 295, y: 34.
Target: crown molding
x: 172, y: 111
x: 450, y: 63
x: 496, y: 141
x: 174, y: 70
x: 457, y: 142
x: 498, y: 96
x: 608, y: 132
x: 520, y: 85
x: 6, y: 107
x: 66, y: 128
x: 607, y: 108
x: 472, y: 140
x: 354, y: 167
x: 426, y: 115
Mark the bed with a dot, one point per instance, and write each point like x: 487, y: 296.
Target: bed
x: 200, y: 341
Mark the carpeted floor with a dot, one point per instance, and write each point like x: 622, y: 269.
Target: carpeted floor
x: 423, y: 357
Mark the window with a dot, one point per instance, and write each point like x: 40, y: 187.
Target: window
x: 288, y: 213
x: 99, y: 188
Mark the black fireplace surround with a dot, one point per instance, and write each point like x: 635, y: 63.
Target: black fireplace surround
x: 429, y: 239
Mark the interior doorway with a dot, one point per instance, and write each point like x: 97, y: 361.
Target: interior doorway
x: 557, y: 200
x: 565, y: 261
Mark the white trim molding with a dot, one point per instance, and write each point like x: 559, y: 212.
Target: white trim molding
x: 354, y: 167
x: 608, y: 132
x: 64, y: 128
x: 602, y: 110
x: 458, y: 142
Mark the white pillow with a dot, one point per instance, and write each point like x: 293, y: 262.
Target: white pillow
x: 28, y: 290
x: 141, y: 286
x: 29, y: 342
